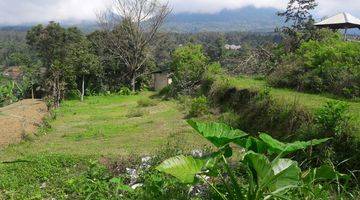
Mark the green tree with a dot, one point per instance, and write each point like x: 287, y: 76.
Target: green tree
x: 189, y: 64
x: 302, y: 24
x: 84, y: 62
x: 51, y: 45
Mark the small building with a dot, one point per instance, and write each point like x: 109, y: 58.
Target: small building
x: 340, y: 21
x: 14, y: 73
x: 161, y: 79
x: 232, y: 47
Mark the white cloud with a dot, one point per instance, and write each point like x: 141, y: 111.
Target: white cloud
x: 217, y: 5
x: 26, y: 11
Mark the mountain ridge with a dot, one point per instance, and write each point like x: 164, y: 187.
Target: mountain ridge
x: 241, y: 19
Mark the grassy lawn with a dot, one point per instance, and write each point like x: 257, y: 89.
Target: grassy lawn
x: 109, y: 126
x: 310, y: 101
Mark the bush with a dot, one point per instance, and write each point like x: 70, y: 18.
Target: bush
x: 125, y: 91
x: 199, y: 107
x: 333, y: 118
x: 188, y: 66
x: 325, y: 66
x: 146, y: 102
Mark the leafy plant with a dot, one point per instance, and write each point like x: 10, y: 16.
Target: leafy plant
x: 199, y: 107
x: 125, y: 91
x: 7, y: 93
x: 333, y: 118
x: 266, y: 178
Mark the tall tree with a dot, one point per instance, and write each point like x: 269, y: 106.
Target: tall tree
x: 302, y: 23
x: 131, y: 27
x: 51, y: 43
x: 298, y: 12
x: 83, y: 61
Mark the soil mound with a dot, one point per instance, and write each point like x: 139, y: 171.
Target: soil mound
x: 20, y: 119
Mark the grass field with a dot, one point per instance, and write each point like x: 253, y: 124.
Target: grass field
x: 109, y: 126
x: 310, y: 101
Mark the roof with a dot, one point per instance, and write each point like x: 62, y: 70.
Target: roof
x: 340, y: 21
x: 160, y: 71
x: 14, y: 72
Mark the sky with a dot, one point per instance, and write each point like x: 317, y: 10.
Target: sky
x: 14, y: 12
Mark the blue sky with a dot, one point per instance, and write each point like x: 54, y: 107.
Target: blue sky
x: 28, y: 11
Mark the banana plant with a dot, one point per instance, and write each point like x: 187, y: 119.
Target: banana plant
x: 266, y: 178
x: 7, y: 93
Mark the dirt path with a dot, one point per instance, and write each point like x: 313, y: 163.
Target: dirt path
x: 20, y: 119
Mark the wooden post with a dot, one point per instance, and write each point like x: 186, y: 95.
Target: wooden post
x: 32, y: 92
x: 83, y: 88
x: 345, y: 34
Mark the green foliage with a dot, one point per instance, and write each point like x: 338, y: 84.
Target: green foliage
x: 265, y: 178
x: 328, y: 65
x: 333, y: 118
x: 217, y: 133
x: 189, y: 64
x: 7, y: 93
x: 38, y: 177
x: 177, y: 165
x: 279, y: 147
x: 125, y: 91
x: 199, y: 106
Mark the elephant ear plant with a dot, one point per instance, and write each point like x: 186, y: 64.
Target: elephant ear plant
x: 266, y: 179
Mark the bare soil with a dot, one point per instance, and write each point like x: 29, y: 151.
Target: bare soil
x: 20, y: 119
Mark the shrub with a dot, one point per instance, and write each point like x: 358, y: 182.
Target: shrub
x: 329, y: 65
x: 199, y: 107
x: 125, y: 91
x: 267, y: 170
x: 333, y: 118
x: 189, y: 64
x: 146, y: 102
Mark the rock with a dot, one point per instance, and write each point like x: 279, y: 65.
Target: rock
x: 43, y: 186
x: 145, y: 162
x: 197, y: 153
x: 134, y: 175
x: 136, y: 185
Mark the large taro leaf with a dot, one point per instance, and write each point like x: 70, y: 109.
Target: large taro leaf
x: 286, y: 174
x: 217, y: 133
x: 280, y: 147
x: 259, y: 165
x: 252, y: 144
x: 323, y: 173
x: 182, y: 167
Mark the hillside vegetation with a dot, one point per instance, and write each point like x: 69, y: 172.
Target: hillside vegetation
x: 240, y: 115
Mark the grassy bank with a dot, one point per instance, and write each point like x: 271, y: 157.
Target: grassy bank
x: 310, y: 101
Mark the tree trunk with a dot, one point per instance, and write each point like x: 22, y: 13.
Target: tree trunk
x: 83, y: 88
x: 32, y: 92
x: 54, y: 93
x: 133, y: 82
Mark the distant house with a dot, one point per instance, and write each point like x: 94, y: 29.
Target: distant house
x: 13, y: 73
x: 232, y: 47
x: 161, y: 79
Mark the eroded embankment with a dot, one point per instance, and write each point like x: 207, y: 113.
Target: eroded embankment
x: 20, y: 119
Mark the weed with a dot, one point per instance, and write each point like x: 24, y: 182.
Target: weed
x: 333, y: 118
x: 199, y: 107
x: 146, y: 102
x: 137, y: 113
x: 125, y: 91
